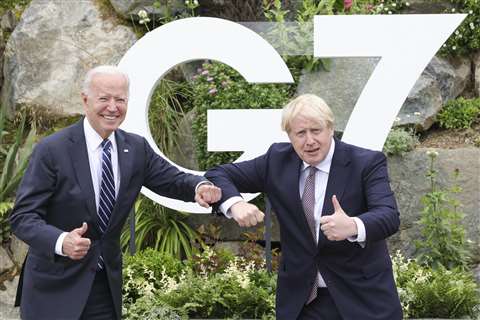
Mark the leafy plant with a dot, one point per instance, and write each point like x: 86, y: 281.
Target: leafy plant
x: 160, y: 228
x: 217, y: 86
x: 466, y: 39
x: 400, y: 141
x: 166, y: 112
x: 459, y: 113
x: 443, y: 242
x: 435, y: 293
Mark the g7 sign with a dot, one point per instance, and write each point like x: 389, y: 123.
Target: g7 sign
x: 405, y: 44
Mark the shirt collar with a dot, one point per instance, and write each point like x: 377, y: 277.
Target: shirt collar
x: 326, y: 163
x: 93, y: 139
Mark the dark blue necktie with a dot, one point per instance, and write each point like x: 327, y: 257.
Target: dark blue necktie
x: 107, y: 191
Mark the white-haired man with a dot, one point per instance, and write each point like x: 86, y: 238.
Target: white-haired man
x: 335, y: 209
x: 75, y: 196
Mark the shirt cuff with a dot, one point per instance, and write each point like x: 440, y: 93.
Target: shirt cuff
x: 59, y: 244
x: 227, y: 204
x: 200, y: 183
x: 361, y: 233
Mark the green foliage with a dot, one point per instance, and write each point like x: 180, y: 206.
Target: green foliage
x: 400, y: 141
x: 166, y: 112
x: 142, y: 270
x: 5, y: 232
x: 236, y: 290
x: 218, y: 86
x: 435, y: 293
x: 443, y: 242
x: 459, y: 113
x: 16, y: 155
x: 160, y: 228
x: 466, y: 39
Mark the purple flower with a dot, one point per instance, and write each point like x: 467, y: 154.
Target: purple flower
x: 347, y: 4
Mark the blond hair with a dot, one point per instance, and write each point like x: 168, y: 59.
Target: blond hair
x: 309, y: 106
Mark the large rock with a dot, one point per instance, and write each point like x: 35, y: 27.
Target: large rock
x: 408, y: 181
x: 7, y: 299
x: 422, y: 105
x: 452, y: 75
x: 52, y: 47
x: 476, y: 63
x: 129, y: 8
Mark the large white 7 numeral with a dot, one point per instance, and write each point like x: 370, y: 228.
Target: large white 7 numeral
x: 405, y: 43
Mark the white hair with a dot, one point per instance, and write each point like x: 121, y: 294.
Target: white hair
x: 105, y: 69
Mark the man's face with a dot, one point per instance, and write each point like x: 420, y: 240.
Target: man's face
x: 106, y: 103
x: 310, y: 139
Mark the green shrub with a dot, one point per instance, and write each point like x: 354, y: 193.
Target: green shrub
x: 218, y: 86
x: 143, y: 271
x: 459, y: 113
x: 400, y: 141
x: 435, y: 293
x: 466, y: 39
x: 442, y: 242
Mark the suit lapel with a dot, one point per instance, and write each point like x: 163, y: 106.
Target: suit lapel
x: 337, y: 181
x: 81, y: 165
x: 125, y: 163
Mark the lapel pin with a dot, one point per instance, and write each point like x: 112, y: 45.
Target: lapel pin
x: 125, y: 150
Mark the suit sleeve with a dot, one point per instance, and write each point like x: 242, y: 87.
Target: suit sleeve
x: 166, y: 180
x: 382, y: 218
x: 234, y: 178
x: 29, y: 215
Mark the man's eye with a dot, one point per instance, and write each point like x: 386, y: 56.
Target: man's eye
x: 103, y: 99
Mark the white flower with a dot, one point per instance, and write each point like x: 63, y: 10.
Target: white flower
x: 470, y: 12
x: 394, y: 4
x: 195, y: 3
x: 456, y: 32
x: 142, y: 14
x: 407, y: 4
x: 454, y: 47
x: 472, y: 26
x: 432, y: 154
x: 417, y: 113
x: 453, y: 9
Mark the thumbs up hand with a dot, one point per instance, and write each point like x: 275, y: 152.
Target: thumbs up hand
x: 74, y: 245
x: 338, y: 226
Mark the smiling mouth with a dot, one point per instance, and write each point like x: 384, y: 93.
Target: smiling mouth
x: 109, y: 117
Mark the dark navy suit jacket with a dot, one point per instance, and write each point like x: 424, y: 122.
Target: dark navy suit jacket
x: 360, y: 280
x: 57, y: 195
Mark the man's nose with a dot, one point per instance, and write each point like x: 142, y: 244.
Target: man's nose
x: 112, y: 106
x: 309, y: 138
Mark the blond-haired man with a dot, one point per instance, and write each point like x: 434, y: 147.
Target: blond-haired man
x: 335, y: 208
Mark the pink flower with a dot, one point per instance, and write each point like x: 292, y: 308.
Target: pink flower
x: 347, y: 4
x: 209, y: 79
x: 204, y: 72
x: 212, y: 91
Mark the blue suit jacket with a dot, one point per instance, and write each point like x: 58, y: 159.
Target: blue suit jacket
x: 360, y: 280
x: 57, y: 195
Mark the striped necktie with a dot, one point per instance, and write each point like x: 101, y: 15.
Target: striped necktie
x: 107, y: 191
x: 308, y: 203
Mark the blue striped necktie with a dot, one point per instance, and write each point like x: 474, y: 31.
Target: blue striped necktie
x: 107, y: 191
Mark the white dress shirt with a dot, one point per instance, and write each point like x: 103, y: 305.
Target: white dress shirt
x: 95, y: 151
